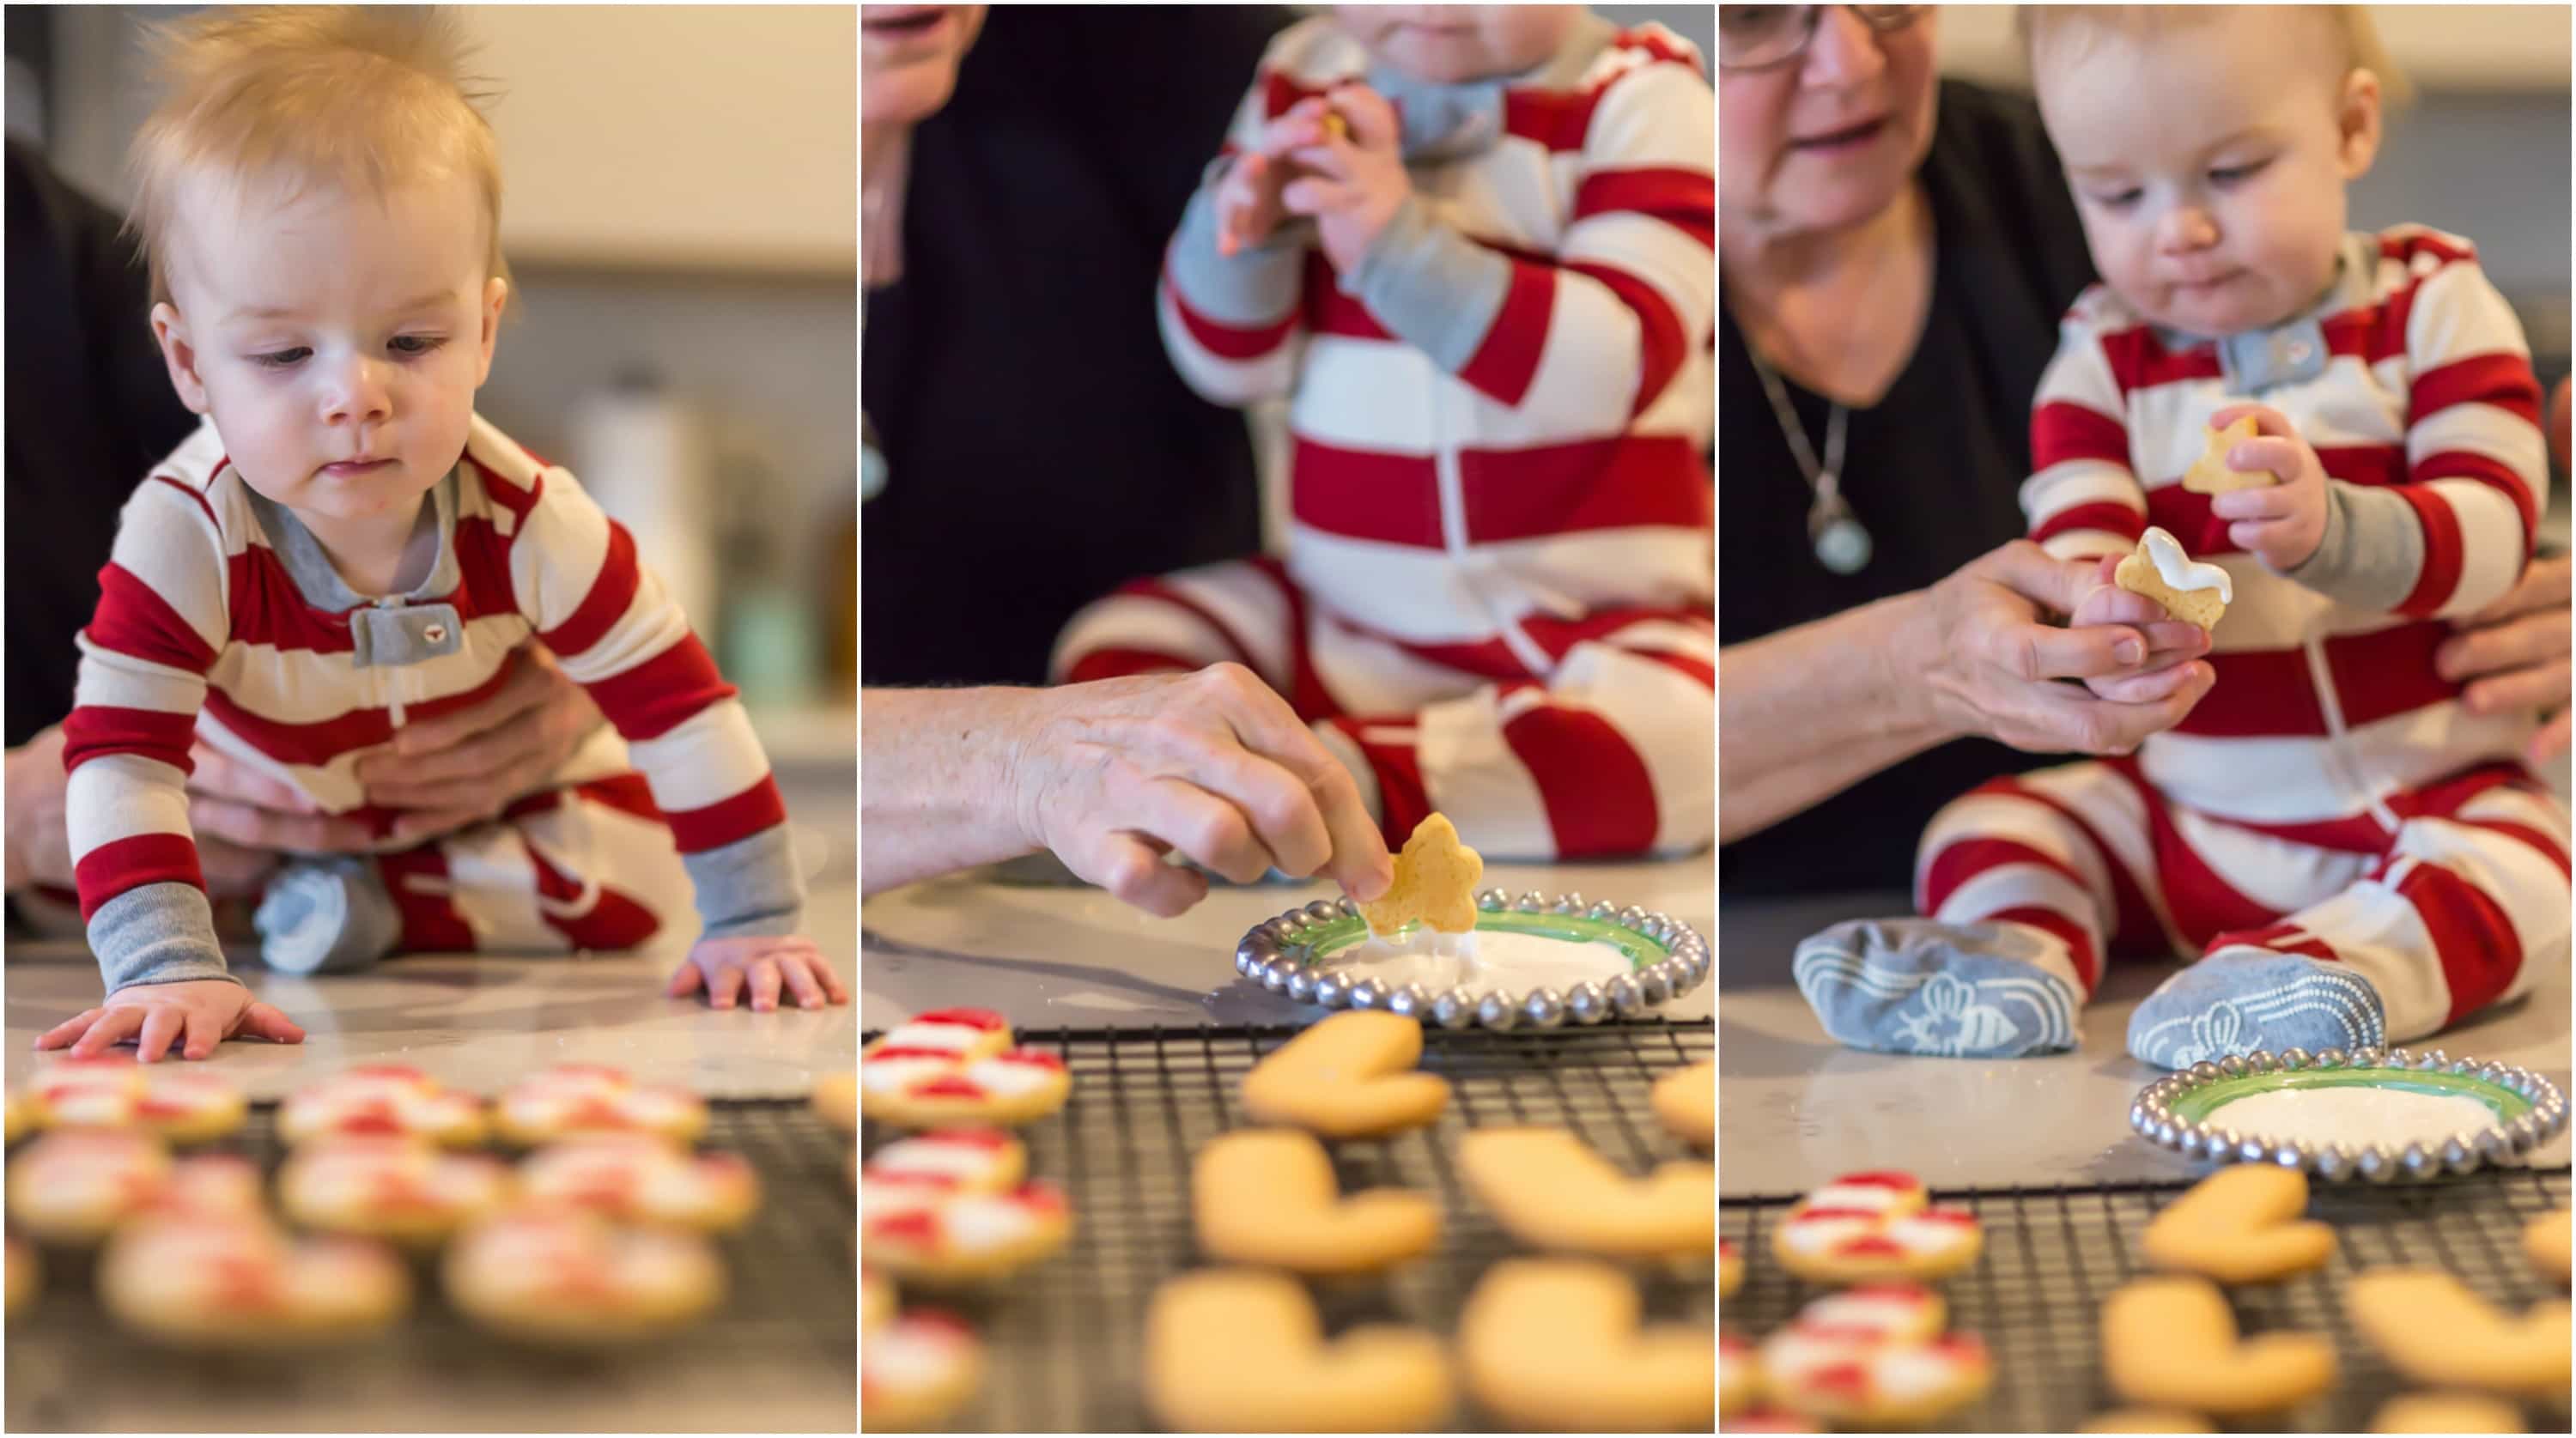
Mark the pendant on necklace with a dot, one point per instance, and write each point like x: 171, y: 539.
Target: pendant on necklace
x: 1841, y: 544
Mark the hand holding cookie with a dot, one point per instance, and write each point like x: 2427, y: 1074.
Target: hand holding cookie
x: 1356, y: 181
x: 2280, y: 523
x: 1248, y: 207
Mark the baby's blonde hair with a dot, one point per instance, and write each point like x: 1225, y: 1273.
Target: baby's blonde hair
x: 2353, y: 27
x: 362, y: 98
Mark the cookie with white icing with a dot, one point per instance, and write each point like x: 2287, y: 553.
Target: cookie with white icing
x: 553, y: 1277
x: 917, y: 1371
x: 177, y: 1102
x: 1875, y: 1228
x: 637, y: 1178
x: 76, y: 1186
x: 927, y: 1229
x: 390, y: 1187
x: 26, y: 1275
x: 977, y: 1160
x: 957, y: 1067
x: 836, y: 1101
x: 203, y: 1283
x: 1859, y: 1378
x: 381, y: 1100
x: 568, y: 1099
x: 2189, y: 590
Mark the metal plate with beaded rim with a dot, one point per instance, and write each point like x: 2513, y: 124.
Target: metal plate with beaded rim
x: 2186, y: 1111
x: 1666, y: 957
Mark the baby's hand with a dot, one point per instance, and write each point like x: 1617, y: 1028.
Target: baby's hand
x: 1248, y: 207
x: 725, y: 966
x: 1356, y: 180
x: 2167, y: 641
x: 2281, y: 524
x: 199, y: 1013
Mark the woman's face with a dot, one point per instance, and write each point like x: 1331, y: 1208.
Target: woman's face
x: 908, y: 58
x: 1829, y: 138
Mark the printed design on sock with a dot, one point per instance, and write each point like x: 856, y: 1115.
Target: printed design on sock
x: 1954, y: 1003
x: 1948, y: 1019
x: 2210, y: 1011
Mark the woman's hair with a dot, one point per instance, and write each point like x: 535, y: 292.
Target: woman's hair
x: 2351, y: 25
x: 366, y: 99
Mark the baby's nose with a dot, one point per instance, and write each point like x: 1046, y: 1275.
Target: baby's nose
x: 2186, y: 228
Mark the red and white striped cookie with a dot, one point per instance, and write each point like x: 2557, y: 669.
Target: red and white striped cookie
x: 184, y: 1104
x: 381, y: 1100
x: 1871, y: 1228
x: 1846, y: 1377
x: 1730, y: 1268
x: 1739, y: 1375
x: 75, y: 1186
x: 557, y: 1276
x: 917, y: 1371
x: 592, y: 1098
x: 955, y: 1067
x: 637, y: 1178
x: 198, y: 1282
x: 1877, y: 1312
x: 924, y: 1229
x: 383, y: 1186
x: 977, y: 1160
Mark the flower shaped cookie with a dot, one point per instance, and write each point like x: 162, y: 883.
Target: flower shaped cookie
x: 1874, y: 1227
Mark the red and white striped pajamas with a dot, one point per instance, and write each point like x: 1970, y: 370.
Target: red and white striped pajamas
x: 203, y: 633
x: 1497, y: 595
x: 2331, y: 796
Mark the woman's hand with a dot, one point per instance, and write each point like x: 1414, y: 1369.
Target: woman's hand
x: 1995, y: 660
x: 463, y: 766
x: 195, y: 1014
x: 1112, y: 775
x: 226, y: 801
x: 2515, y: 650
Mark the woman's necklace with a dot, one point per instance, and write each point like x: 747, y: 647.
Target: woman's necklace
x: 1841, y: 544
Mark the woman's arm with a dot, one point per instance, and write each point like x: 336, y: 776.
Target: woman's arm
x: 1806, y: 713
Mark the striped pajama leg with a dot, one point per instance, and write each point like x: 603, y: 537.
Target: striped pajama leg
x: 587, y: 867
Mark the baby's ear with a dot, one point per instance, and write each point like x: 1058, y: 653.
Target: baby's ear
x: 2357, y: 115
x: 496, y: 297
x: 180, y: 355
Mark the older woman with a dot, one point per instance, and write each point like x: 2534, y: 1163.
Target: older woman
x: 1895, y: 251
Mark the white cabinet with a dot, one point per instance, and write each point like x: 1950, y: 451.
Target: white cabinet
x: 2438, y: 47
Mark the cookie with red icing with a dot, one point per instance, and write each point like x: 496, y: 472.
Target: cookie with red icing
x: 836, y: 1101
x: 381, y: 1100
x: 76, y: 1186
x: 979, y: 1160
x: 930, y: 1228
x: 917, y: 1371
x: 558, y: 1277
x: 389, y: 1186
x: 637, y: 1178
x: 230, y: 1284
x: 957, y: 1066
x: 568, y: 1099
x: 180, y: 1103
x: 1730, y: 1268
x: 22, y: 1114
x: 1739, y: 1375
x: 876, y: 1299
x: 1873, y: 1228
x: 1872, y: 1375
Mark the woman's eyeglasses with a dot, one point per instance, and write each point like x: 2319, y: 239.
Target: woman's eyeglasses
x: 1765, y: 37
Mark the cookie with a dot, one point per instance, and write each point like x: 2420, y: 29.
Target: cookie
x: 836, y: 1101
x: 977, y: 1160
x: 2433, y: 1329
x: 26, y: 1277
x: 2447, y: 1413
x: 2171, y: 1342
x: 957, y: 1066
x: 74, y: 1187
x: 1730, y: 1268
x: 1685, y: 1103
x: 1556, y: 1344
x: 22, y: 1114
x: 2544, y: 1242
x: 1435, y: 883
x: 934, y: 1232
x: 389, y: 1187
x: 1267, y: 1197
x: 1739, y: 1375
x: 1550, y: 1190
x: 381, y: 1099
x: 200, y: 1282
x: 876, y: 1299
x: 2212, y: 474
x: 917, y: 1371
x: 1374, y: 1378
x: 2146, y: 1420
x: 561, y: 1278
x: 2191, y: 591
x: 1350, y: 1076
x: 1890, y: 1312
x: 1875, y: 1228
x: 180, y: 1103
x: 1872, y: 1376
x: 2240, y: 1225
x: 568, y: 1099
x: 1770, y: 1420
x: 638, y: 1178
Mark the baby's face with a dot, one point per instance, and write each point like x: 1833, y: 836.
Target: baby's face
x: 2208, y: 161
x: 327, y: 328
x: 1449, y: 44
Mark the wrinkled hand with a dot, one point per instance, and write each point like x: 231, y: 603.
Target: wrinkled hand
x: 725, y: 968
x: 457, y: 768
x: 2281, y: 524
x: 1116, y: 773
x: 2514, y: 652
x: 196, y: 1013
x: 39, y: 844
x: 1995, y: 660
x: 1355, y: 182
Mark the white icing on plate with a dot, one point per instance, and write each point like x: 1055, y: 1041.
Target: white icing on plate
x: 1479, y: 963
x: 2180, y: 571
x: 2354, y: 1114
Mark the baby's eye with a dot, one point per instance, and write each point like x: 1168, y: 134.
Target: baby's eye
x: 280, y: 359
x: 2230, y: 174
x: 2119, y: 199
x: 416, y: 344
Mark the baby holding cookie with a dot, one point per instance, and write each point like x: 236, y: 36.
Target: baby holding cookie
x: 1471, y: 247
x: 345, y: 546
x: 2354, y: 854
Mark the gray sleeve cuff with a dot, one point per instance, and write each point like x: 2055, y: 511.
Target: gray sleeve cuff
x: 1432, y: 287
x: 1257, y: 286
x: 157, y: 934
x: 2373, y: 550
x: 749, y: 887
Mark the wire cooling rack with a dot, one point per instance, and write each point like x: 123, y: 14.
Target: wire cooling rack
x: 788, y: 1323
x: 1062, y: 1341
x: 2052, y: 1255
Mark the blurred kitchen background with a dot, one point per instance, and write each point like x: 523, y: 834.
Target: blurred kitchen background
x: 681, y: 214
x: 2483, y: 150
